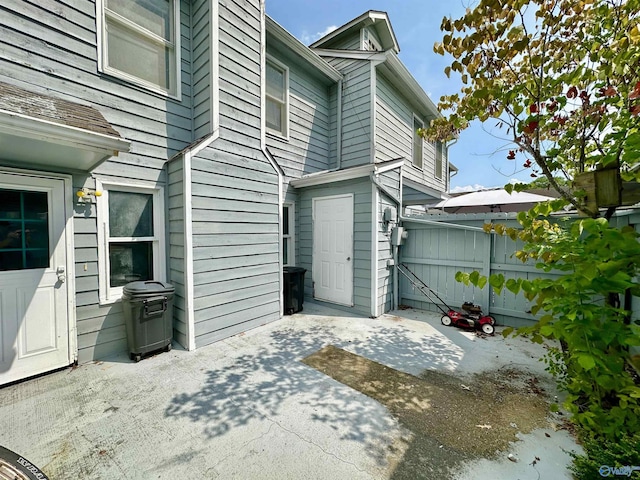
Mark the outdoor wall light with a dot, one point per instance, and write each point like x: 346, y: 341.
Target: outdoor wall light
x: 85, y: 194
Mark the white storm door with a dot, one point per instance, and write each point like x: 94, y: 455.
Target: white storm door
x: 34, y: 311
x: 333, y: 249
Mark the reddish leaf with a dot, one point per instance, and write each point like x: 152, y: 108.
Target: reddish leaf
x: 572, y: 93
x: 635, y: 110
x: 635, y: 93
x: 533, y: 108
x: 511, y: 155
x: 527, y: 164
x: 530, y: 127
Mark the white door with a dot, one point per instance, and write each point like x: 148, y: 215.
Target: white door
x: 333, y: 249
x: 34, y: 316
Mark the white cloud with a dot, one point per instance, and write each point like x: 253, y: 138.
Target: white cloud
x: 308, y: 38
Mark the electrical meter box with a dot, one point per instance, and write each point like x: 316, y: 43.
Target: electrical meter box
x: 398, y: 236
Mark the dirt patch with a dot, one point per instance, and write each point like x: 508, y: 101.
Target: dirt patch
x: 451, y: 419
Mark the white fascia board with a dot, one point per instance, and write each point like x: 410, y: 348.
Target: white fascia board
x: 391, y: 165
x: 322, y: 178
x: 19, y: 125
x: 331, y: 176
x: 278, y: 32
x: 352, y: 54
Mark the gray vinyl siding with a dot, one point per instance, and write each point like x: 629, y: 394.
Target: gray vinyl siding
x: 201, y: 67
x: 239, y: 71
x: 351, y: 42
x: 391, y: 181
x: 356, y: 111
x: 333, y: 126
x: 361, y: 189
x: 394, y: 136
x: 176, y: 250
x: 236, y: 269
x: 310, y: 129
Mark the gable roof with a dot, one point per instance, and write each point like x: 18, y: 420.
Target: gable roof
x: 379, y: 20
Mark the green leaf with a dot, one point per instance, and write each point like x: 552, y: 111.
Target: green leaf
x: 513, y: 285
x: 507, y: 331
x: 497, y: 282
x: 586, y: 361
x: 462, y: 277
x: 546, y: 330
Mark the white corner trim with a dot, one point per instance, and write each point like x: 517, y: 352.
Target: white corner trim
x: 188, y: 253
x: 214, y: 51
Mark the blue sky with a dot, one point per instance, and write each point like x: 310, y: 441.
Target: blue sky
x: 480, y: 156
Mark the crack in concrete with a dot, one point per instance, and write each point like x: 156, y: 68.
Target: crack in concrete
x: 318, y: 446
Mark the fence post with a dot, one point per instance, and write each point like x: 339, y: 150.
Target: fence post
x: 486, y: 271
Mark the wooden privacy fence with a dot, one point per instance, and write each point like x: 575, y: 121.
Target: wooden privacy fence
x: 438, y: 246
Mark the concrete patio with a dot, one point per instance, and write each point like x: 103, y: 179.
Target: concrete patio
x: 247, y: 408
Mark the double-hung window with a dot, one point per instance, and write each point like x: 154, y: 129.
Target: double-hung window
x: 131, y: 237
x: 439, y: 148
x: 277, y: 101
x: 140, y: 42
x: 417, y: 143
x: 288, y: 252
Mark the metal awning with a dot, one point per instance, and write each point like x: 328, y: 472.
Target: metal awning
x: 41, y: 131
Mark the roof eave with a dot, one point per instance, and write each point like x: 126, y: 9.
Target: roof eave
x: 56, y: 140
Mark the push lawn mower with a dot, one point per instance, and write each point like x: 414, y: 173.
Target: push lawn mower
x: 473, y: 317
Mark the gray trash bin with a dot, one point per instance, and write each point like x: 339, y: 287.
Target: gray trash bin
x: 148, y: 314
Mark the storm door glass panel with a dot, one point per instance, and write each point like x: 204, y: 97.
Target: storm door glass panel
x: 131, y: 236
x: 24, y: 230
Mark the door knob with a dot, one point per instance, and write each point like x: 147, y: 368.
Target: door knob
x: 348, y: 259
x: 61, y: 276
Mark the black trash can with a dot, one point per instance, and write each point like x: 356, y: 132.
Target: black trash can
x: 293, y: 289
x: 148, y: 314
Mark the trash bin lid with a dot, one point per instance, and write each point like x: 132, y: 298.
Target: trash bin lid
x: 294, y: 270
x: 149, y: 287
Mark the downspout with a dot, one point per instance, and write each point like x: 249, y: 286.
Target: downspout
x: 339, y: 127
x: 265, y: 150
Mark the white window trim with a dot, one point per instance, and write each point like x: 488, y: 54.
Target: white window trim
x: 413, y: 134
x: 291, y: 254
x: 439, y: 149
x: 109, y: 294
x: 285, y: 69
x: 101, y: 25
